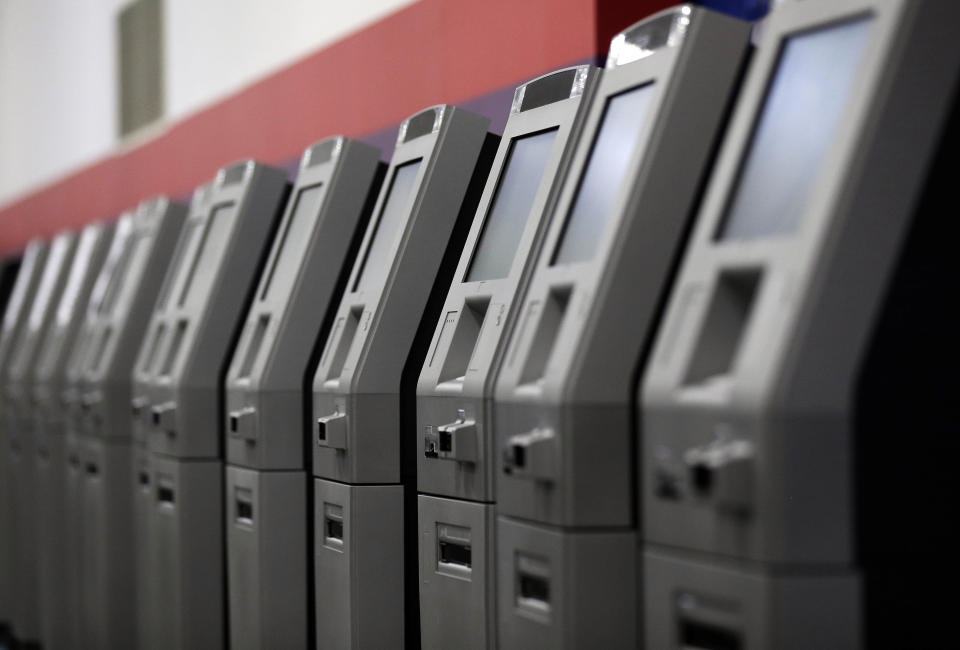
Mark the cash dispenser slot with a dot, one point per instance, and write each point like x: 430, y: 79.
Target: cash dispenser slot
x: 532, y: 575
x: 466, y: 333
x: 707, y: 624
x: 243, y: 506
x: 333, y: 526
x: 451, y: 552
x: 166, y: 494
x: 722, y: 330
x: 543, y: 341
x: 454, y: 551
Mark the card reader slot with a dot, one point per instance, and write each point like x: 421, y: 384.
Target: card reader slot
x: 243, y: 506
x: 722, y: 330
x: 545, y: 337
x: 465, y: 337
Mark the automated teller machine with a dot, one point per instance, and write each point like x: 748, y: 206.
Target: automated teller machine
x: 566, y: 543
x: 14, y: 321
x: 363, y: 399
x: 21, y: 439
x: 266, y: 512
x: 142, y: 487
x: 766, y: 523
x: 454, y: 444
x: 191, y: 336
x: 21, y: 447
x: 117, y: 317
x: 50, y: 423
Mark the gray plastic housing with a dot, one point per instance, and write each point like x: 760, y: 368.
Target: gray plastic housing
x: 265, y: 381
x: 107, y: 557
x: 356, y: 389
x: 358, y: 565
x: 72, y: 542
x: 457, y: 574
x: 201, y: 307
x: 50, y: 371
x: 19, y: 373
x: 120, y: 308
x: 454, y: 443
x: 20, y: 452
x: 565, y: 391
x: 53, y: 562
x: 690, y: 601
x: 21, y: 298
x: 49, y: 380
x: 266, y: 520
x: 143, y: 504
x: 747, y: 402
x: 14, y: 319
x: 184, y: 554
x: 564, y: 589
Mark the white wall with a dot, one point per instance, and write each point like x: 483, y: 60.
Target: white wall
x: 215, y: 47
x: 57, y: 68
x: 57, y: 88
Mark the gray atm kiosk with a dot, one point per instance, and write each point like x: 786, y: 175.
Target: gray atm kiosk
x: 267, y: 396
x: 21, y: 449
x: 192, y: 333
x: 117, y: 318
x: 14, y: 321
x: 142, y: 476
x: 363, y: 402
x: 50, y: 415
x: 454, y: 443
x: 566, y: 530
x: 760, y: 531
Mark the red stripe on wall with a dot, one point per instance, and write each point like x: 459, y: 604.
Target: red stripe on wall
x: 432, y: 52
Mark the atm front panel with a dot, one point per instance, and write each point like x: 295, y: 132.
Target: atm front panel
x: 751, y: 425
x: 301, y: 283
x: 207, y: 293
x: 454, y: 445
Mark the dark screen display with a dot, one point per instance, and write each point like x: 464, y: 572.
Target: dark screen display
x: 216, y: 237
x: 799, y: 119
x: 618, y: 138
x: 295, y: 236
x: 521, y: 178
x: 390, y: 223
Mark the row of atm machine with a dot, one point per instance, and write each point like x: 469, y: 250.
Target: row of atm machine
x: 664, y: 367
